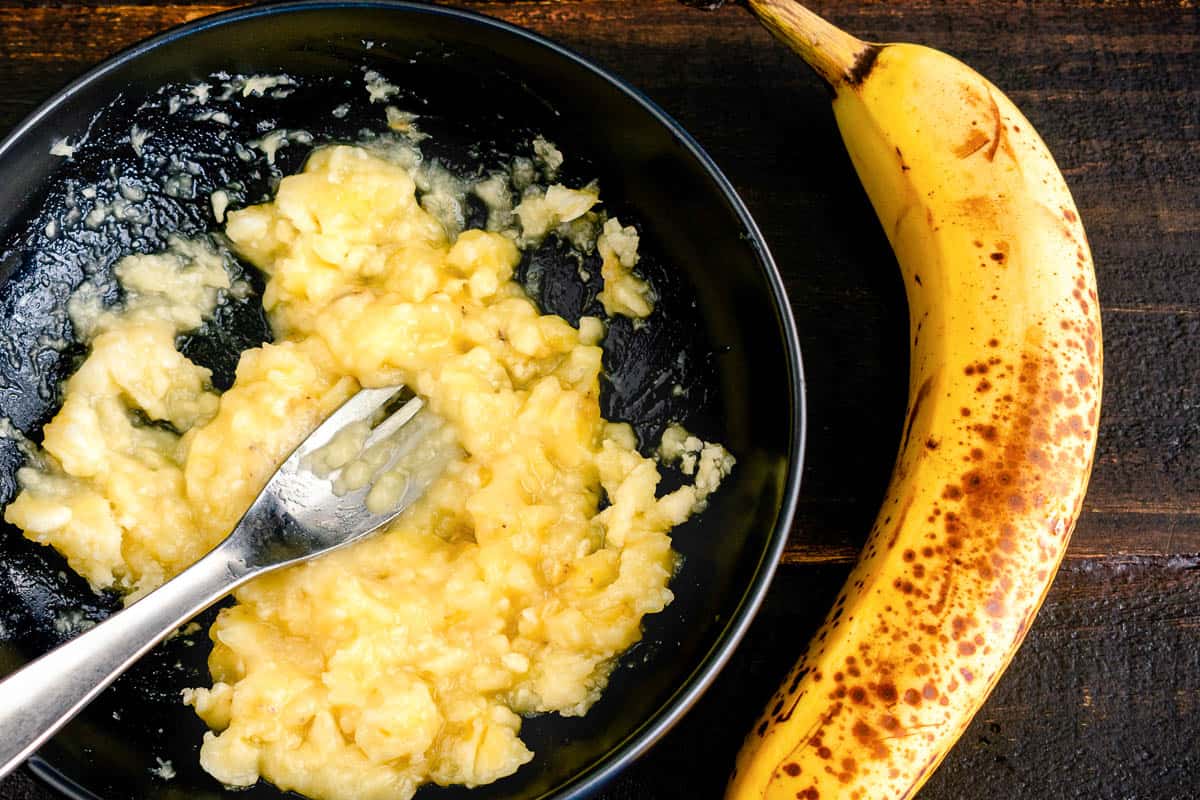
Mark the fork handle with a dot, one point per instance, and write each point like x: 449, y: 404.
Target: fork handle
x: 41, y: 697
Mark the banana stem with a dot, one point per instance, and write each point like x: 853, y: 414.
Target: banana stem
x: 837, y: 56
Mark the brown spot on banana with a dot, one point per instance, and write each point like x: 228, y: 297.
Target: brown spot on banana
x: 999, y: 139
x: 862, y: 65
x: 982, y: 210
x: 975, y: 142
x: 915, y: 408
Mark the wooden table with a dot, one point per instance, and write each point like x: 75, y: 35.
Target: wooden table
x: 1103, y: 701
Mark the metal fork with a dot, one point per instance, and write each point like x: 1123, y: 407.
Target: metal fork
x: 297, y: 516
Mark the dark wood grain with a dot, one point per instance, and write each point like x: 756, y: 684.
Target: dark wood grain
x: 1104, y: 699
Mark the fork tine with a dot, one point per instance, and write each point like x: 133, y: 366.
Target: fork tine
x: 393, y: 423
x: 360, y: 406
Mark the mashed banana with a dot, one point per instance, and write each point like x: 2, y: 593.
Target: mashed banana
x: 411, y: 656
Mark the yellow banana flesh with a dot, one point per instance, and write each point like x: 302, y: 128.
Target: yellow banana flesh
x: 1004, y: 400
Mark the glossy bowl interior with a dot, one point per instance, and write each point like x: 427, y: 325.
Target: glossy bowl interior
x: 721, y: 333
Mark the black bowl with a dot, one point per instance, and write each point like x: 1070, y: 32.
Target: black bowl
x: 722, y: 332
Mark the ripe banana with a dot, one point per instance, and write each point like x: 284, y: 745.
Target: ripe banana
x: 1004, y: 400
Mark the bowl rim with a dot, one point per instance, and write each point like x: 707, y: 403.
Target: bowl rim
x: 652, y: 729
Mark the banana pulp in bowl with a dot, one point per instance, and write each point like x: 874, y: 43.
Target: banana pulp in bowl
x: 410, y: 657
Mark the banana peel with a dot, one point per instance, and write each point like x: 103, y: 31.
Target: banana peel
x: 999, y: 437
